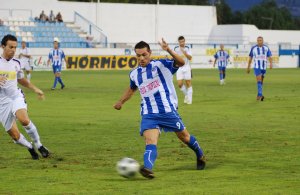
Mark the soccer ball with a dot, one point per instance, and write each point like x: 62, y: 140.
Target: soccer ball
x: 128, y: 167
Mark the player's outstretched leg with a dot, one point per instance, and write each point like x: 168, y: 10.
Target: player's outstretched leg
x: 21, y: 140
x: 150, y: 155
x: 31, y: 130
x: 192, y: 143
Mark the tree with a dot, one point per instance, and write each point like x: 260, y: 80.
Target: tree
x: 224, y: 13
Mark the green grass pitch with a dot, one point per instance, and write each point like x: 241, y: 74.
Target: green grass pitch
x: 252, y: 147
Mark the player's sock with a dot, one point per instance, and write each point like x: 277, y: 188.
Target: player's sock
x: 150, y: 156
x: 190, y: 94
x: 259, y: 88
x: 28, y: 77
x: 183, y: 89
x: 60, y: 81
x: 194, y: 145
x: 23, y: 141
x: 224, y: 75
x: 55, y: 82
x: 33, y: 133
x: 221, y: 76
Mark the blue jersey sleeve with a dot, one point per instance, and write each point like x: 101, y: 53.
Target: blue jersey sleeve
x: 50, y: 56
x: 132, y: 85
x: 251, y: 52
x: 269, y: 54
x: 216, y: 56
x: 170, y: 64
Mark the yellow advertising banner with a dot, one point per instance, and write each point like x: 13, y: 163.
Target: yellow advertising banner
x: 110, y: 62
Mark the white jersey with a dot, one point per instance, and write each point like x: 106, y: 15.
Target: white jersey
x: 188, y: 50
x: 260, y: 56
x: 155, y: 83
x: 11, y: 69
x: 25, y: 51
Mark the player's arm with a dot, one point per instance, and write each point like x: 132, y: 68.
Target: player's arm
x: 249, y: 64
x: 25, y: 55
x: 24, y: 82
x: 125, y: 97
x: 188, y: 56
x: 271, y: 62
x: 179, y: 61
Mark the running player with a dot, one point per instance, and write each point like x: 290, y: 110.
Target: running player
x: 222, y: 57
x: 260, y: 53
x: 24, y: 57
x: 56, y: 56
x: 184, y: 72
x: 12, y: 100
x: 154, y: 80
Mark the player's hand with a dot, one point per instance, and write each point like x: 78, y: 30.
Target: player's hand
x: 40, y: 93
x: 3, y: 80
x: 164, y: 45
x: 248, y: 70
x: 118, y: 105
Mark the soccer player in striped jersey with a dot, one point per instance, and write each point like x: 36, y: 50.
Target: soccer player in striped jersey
x: 184, y: 72
x: 154, y: 81
x: 13, y: 106
x: 222, y: 57
x: 261, y: 54
x: 56, y: 57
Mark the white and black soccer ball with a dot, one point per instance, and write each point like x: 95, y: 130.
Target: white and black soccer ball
x: 128, y: 167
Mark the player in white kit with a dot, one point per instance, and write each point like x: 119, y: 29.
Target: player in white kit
x: 184, y: 73
x: 12, y: 100
x: 24, y: 56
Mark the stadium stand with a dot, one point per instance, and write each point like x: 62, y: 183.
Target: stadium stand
x: 40, y: 34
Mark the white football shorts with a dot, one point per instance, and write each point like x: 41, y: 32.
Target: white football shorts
x: 184, y: 74
x: 8, y: 111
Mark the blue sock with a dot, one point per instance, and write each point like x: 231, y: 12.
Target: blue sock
x: 55, y: 82
x: 194, y: 145
x: 60, y: 81
x: 221, y: 76
x: 259, y: 88
x: 224, y: 75
x: 150, y: 156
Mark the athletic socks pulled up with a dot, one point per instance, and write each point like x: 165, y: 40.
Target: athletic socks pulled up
x: 33, y: 133
x: 194, y: 145
x: 150, y: 156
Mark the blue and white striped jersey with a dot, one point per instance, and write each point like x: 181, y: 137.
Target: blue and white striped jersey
x: 56, y: 56
x: 222, y: 57
x: 260, y: 56
x: 155, y: 84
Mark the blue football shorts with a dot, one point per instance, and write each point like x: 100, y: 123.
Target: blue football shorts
x: 258, y: 71
x: 169, y: 122
x: 222, y: 68
x: 56, y: 69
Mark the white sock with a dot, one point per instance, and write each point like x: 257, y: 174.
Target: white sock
x: 28, y: 77
x: 23, y: 141
x: 190, y: 93
x: 183, y: 89
x: 32, y: 132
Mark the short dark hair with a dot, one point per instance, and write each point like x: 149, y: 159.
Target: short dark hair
x: 141, y: 45
x: 8, y: 37
x: 180, y: 38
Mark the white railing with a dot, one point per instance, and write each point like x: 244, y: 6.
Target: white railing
x: 98, y: 37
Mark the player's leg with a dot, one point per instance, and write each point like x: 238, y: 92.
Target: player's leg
x: 21, y: 140
x: 188, y: 83
x: 59, y: 78
x: 32, y: 131
x: 181, y: 85
x: 192, y: 142
x: 224, y: 74
x: 55, y: 70
x: 221, y: 74
x: 259, y: 84
x: 28, y: 75
x: 150, y: 155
